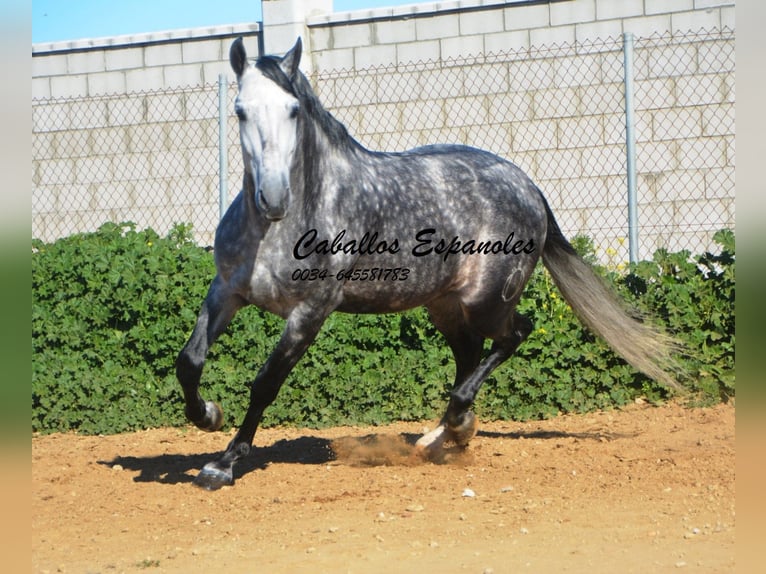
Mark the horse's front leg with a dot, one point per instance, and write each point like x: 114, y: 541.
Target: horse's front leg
x: 301, y: 329
x: 219, y: 307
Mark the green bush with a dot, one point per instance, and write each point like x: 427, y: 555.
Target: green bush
x: 111, y: 310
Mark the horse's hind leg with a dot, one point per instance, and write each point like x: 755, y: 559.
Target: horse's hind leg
x: 464, y: 395
x: 459, y: 423
x: 215, y: 315
x: 466, y: 346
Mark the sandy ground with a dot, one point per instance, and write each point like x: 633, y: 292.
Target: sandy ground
x: 642, y: 489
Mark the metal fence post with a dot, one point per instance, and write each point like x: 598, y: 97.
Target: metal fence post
x: 223, y: 159
x: 630, y: 148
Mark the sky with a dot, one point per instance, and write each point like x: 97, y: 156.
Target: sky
x: 58, y: 20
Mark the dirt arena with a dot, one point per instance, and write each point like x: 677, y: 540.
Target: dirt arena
x: 642, y: 489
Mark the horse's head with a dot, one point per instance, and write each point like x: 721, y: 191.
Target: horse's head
x: 267, y: 108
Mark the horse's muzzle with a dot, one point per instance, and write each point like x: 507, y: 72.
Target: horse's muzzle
x: 272, y: 210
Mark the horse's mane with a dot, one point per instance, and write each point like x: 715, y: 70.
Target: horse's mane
x: 300, y: 87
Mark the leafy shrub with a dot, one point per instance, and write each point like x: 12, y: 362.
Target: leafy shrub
x: 111, y: 310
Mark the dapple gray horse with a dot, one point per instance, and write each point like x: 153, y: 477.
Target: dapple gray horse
x: 323, y: 224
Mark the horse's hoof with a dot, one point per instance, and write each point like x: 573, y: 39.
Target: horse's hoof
x: 431, y: 442
x: 212, y: 478
x: 465, y: 431
x: 213, y: 419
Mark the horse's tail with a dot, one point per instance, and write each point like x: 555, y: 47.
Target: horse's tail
x: 645, y: 347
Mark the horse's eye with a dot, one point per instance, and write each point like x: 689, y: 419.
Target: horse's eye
x: 294, y: 111
x: 240, y: 113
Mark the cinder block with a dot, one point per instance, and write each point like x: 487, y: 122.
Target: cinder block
x: 151, y: 192
x: 43, y: 200
x: 534, y: 135
x: 418, y: 52
x: 589, y: 32
x: 676, y: 123
x: 712, y: 214
x: 374, y: 56
x: 583, y: 131
x: 696, y: 20
x: 719, y: 183
x: 667, y: 61
x: 441, y: 82
x: 144, y: 79
x: 557, y: 36
x: 503, y: 42
x: 609, y: 9
x: 126, y: 110
x: 583, y: 70
x: 467, y: 111
x: 131, y: 167
x: 106, y: 83
x: 70, y: 86
x: 169, y: 164
x: 461, y: 47
x: 113, y: 195
x: 510, y: 107
x: 665, y: 6
x: 644, y: 27
x: 321, y: 38
x: 436, y: 27
x: 495, y: 138
x: 186, y: 76
x: 198, y: 51
x: 602, y: 98
x: 164, y: 107
x: 556, y: 103
x: 657, y: 157
x: 203, y: 161
x: 124, y: 58
x: 86, y: 62
x: 485, y: 79
x: 41, y: 88
x: 702, y: 153
x: 201, y: 104
x: 573, y: 12
x: 699, y: 90
x: 523, y: 17
x: 352, y: 36
x: 654, y: 93
x: 716, y: 57
x: 330, y: 60
x: 380, y: 118
x: 679, y: 185
x: 394, y: 32
x: 398, y: 87
x: 88, y: 114
x: 108, y: 140
x: 421, y: 115
x: 606, y: 160
x: 93, y: 169
x: 44, y: 65
x: 481, y: 22
x: 526, y: 75
x: 162, y: 55
x: 73, y: 143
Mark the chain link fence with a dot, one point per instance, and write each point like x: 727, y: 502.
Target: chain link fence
x: 556, y: 111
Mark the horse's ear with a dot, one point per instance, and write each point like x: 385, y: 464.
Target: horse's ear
x: 291, y: 60
x: 238, y: 56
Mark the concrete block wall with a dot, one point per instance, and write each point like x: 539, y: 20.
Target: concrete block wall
x: 459, y: 28
x: 135, y: 63
x: 542, y: 84
x: 125, y: 129
x: 537, y: 82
